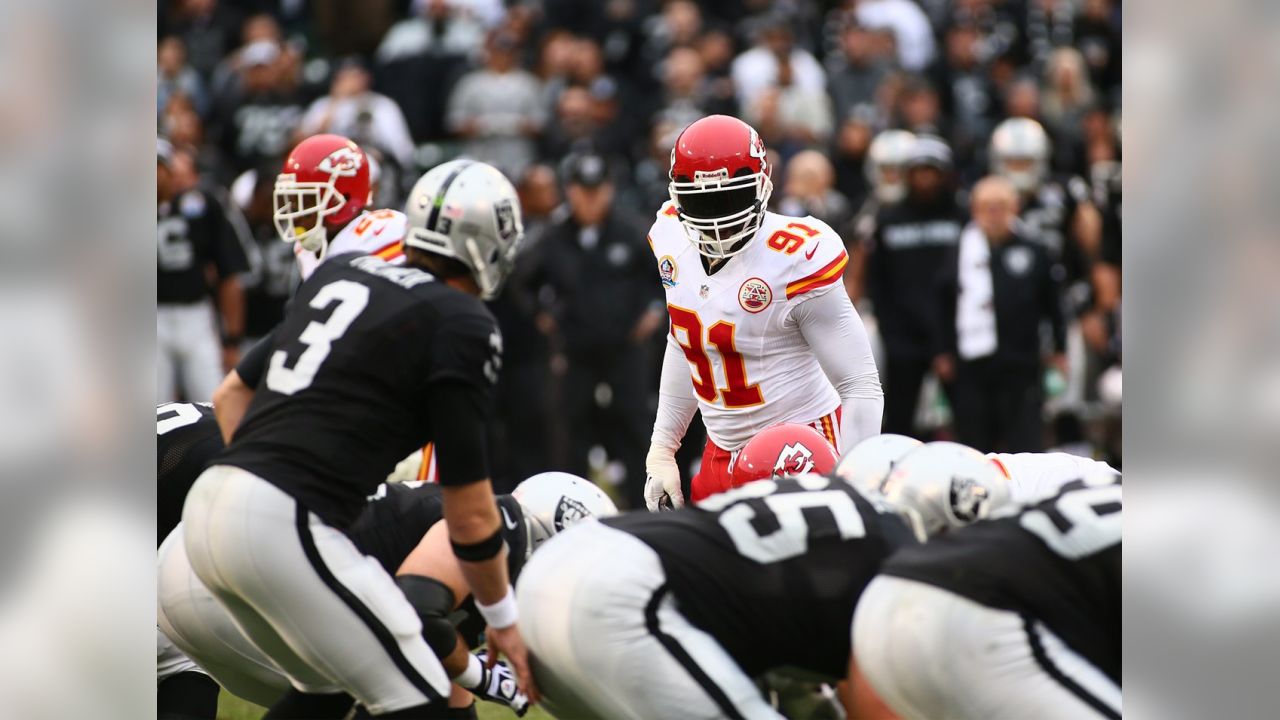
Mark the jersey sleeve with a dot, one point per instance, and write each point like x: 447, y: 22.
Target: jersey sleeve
x: 819, y: 263
x: 467, y: 347
x: 666, y: 214
x: 253, y: 365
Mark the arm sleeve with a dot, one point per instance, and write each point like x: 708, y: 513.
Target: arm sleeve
x: 459, y: 414
x: 254, y: 363
x: 839, y: 340
x: 676, y: 403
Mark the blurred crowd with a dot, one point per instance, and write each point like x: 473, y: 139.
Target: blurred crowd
x: 879, y: 116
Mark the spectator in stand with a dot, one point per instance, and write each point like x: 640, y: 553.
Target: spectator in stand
x: 576, y: 128
x: 258, y: 116
x: 912, y: 245
x: 497, y: 109
x: 966, y: 92
x: 677, y: 25
x: 809, y: 189
x: 997, y: 294
x: 1098, y: 38
x: 761, y: 69
x: 434, y: 27
x: 605, y: 307
x: 176, y: 77
x: 1067, y: 97
x: 715, y: 47
x: 352, y: 109
x: 422, y: 57
x: 856, y: 74
x: 686, y: 95
x: 208, y: 30
x: 182, y: 125
x: 913, y: 36
x: 919, y: 109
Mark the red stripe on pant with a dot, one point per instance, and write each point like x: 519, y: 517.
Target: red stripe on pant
x: 713, y: 477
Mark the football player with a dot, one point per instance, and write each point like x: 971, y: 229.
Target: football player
x: 403, y: 530
x: 761, y: 329
x: 787, y: 449
x: 868, y: 464
x: 371, y: 361
x: 1016, y: 617
x: 674, y: 614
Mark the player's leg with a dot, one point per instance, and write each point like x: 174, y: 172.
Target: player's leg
x: 199, y: 625
x: 183, y: 690
x: 201, y: 350
x: 713, y: 476
x: 903, y: 377
x: 609, y: 643
x: 166, y: 370
x: 1020, y: 418
x: 630, y: 421
x: 335, y: 609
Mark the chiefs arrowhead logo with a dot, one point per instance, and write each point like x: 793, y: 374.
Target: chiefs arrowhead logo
x: 343, y: 162
x: 794, y: 460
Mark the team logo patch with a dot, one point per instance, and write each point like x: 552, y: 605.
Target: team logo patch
x: 1018, y: 260
x: 505, y: 213
x: 343, y: 162
x: 703, y: 292
x: 754, y: 295
x: 794, y: 460
x: 568, y: 512
x: 968, y: 499
x: 668, y: 271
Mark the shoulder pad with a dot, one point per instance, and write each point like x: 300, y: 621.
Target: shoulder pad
x: 817, y: 263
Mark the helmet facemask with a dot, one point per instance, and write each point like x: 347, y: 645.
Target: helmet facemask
x: 297, y: 203
x: 720, y: 214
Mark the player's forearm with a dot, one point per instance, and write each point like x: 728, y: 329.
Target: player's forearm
x: 676, y: 403
x: 859, y: 419
x: 839, y: 341
x: 474, y: 532
x: 231, y: 304
x: 230, y: 402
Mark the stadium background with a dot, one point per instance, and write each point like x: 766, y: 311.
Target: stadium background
x: 579, y: 103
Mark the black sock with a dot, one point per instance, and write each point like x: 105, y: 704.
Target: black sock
x: 296, y: 705
x: 187, y: 696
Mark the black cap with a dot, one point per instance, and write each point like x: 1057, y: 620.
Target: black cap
x: 588, y: 170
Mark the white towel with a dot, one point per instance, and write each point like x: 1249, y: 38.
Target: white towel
x: 975, y: 306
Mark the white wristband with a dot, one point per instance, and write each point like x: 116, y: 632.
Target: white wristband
x: 473, y: 675
x: 502, y: 614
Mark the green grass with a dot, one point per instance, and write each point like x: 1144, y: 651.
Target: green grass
x: 231, y: 707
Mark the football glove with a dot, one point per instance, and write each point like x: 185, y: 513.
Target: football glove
x: 498, y: 685
x: 662, y: 480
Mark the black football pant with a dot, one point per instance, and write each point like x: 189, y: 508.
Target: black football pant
x: 606, y: 403
x: 902, y: 377
x: 997, y: 407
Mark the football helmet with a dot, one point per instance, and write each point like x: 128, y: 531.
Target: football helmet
x: 869, y: 463
x: 324, y: 184
x: 1020, y: 152
x: 552, y: 501
x: 945, y: 485
x: 468, y: 211
x: 720, y: 184
x: 788, y: 449
x: 887, y: 164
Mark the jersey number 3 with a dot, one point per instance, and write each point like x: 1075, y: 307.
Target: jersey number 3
x: 737, y: 392
x: 351, y: 297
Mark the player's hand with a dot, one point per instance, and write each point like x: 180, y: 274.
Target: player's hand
x: 507, y: 642
x: 662, y: 480
x: 498, y: 684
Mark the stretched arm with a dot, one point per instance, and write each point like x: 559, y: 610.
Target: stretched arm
x: 839, y: 340
x: 676, y: 406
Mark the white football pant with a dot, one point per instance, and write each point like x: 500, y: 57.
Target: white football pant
x: 188, y: 352
x: 607, y: 641
x: 930, y: 653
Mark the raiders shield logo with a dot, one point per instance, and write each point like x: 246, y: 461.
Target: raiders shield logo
x: 968, y: 499
x: 568, y: 512
x: 793, y: 460
x: 754, y: 295
x: 505, y: 215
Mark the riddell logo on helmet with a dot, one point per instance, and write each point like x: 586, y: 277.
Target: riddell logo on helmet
x: 343, y: 162
x: 754, y: 295
x: 793, y: 460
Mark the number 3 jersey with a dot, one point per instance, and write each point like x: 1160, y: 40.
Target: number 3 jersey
x: 772, y: 570
x: 348, y: 388
x: 1057, y: 562
x: 750, y: 365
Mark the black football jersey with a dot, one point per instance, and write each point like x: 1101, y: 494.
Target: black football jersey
x: 192, y: 231
x: 1057, y: 561
x: 1046, y: 217
x: 347, y: 390
x: 773, y: 570
x: 187, y: 437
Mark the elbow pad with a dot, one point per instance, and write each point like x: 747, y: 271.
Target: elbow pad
x: 433, y: 601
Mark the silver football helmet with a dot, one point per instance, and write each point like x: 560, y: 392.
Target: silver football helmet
x: 886, y: 165
x: 553, y: 501
x: 1020, y: 153
x: 468, y: 211
x: 868, y: 464
x: 945, y: 485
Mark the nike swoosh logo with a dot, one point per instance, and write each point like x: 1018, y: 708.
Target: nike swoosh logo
x: 809, y: 255
x: 511, y: 525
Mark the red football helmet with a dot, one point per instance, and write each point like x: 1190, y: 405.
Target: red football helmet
x: 720, y: 184
x: 789, y: 449
x: 324, y: 184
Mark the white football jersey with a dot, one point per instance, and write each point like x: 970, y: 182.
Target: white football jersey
x: 750, y: 365
x: 1039, y: 476
x: 373, y: 232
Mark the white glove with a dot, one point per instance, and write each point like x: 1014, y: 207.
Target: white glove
x: 662, y: 481
x: 498, y: 685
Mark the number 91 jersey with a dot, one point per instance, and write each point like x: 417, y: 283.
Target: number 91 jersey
x: 773, y: 569
x: 750, y: 366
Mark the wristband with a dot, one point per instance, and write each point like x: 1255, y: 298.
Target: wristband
x: 502, y: 614
x: 479, y: 551
x: 473, y: 675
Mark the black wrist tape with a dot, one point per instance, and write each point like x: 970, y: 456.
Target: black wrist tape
x: 479, y: 551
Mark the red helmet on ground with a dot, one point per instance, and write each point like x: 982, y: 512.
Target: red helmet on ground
x: 788, y: 449
x: 720, y: 184
x: 324, y: 184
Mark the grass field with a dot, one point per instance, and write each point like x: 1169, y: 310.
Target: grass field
x: 231, y: 707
